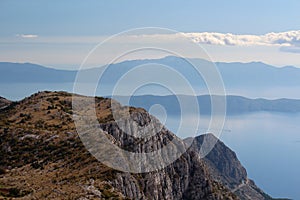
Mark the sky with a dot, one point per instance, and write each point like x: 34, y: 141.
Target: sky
x: 61, y: 34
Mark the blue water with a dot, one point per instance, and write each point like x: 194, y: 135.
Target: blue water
x: 267, y: 144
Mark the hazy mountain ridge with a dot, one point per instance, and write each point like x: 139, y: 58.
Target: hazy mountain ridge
x: 234, y: 104
x: 33, y: 73
x: 254, y: 74
x: 42, y: 157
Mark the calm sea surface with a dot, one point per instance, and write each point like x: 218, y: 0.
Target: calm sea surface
x: 267, y: 144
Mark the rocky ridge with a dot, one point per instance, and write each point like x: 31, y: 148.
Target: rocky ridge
x: 43, y: 157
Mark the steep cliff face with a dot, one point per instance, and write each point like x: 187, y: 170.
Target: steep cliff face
x: 224, y: 167
x: 186, y: 178
x: 43, y: 157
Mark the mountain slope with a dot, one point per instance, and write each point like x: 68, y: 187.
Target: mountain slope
x: 40, y: 144
x: 42, y: 157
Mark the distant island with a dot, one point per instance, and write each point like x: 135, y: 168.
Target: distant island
x: 235, y: 104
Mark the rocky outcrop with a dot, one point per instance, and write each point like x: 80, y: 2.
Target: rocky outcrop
x: 4, y: 102
x: 186, y: 178
x: 42, y: 157
x: 224, y: 167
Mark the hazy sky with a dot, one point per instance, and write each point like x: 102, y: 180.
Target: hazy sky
x: 61, y: 33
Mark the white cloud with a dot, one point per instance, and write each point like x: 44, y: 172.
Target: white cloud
x: 27, y: 35
x: 282, y: 39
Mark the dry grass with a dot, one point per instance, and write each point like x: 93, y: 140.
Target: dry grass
x: 42, y: 156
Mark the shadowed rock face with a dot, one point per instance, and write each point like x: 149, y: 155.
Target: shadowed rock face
x: 222, y: 162
x: 186, y: 178
x: 4, y: 102
x: 43, y: 157
x: 224, y: 167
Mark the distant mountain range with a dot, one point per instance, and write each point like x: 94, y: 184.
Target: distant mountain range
x: 253, y: 80
x: 32, y: 73
x: 234, y: 104
x: 254, y: 74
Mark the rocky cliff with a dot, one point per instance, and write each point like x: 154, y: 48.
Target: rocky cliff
x: 224, y: 167
x: 42, y: 157
x: 4, y: 102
